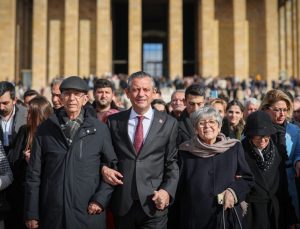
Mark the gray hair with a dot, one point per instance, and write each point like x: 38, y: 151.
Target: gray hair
x: 253, y: 101
x: 205, y: 113
x: 139, y: 74
x: 177, y: 91
x: 56, y: 81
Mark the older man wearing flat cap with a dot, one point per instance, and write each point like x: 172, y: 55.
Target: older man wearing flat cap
x: 63, y: 187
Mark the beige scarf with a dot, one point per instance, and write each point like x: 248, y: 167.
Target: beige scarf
x: 200, y: 149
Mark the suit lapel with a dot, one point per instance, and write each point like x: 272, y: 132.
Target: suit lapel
x: 157, y: 123
x: 123, y: 130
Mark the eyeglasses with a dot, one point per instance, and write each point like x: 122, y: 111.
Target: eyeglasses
x: 260, y: 138
x: 76, y: 94
x: 279, y: 110
x: 210, y: 123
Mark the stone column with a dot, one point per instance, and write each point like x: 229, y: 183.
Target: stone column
x: 282, y: 40
x: 298, y: 38
x: 175, y: 39
x: 241, y: 40
x: 208, y: 56
x: 39, y: 46
x: 295, y: 42
x: 271, y: 25
x: 289, y: 38
x: 84, y: 47
x: 7, y: 39
x: 104, y: 37
x: 54, y: 49
x: 135, y: 36
x: 71, y: 37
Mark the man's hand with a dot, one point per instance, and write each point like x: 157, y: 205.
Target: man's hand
x: 94, y: 208
x: 161, y: 199
x: 31, y: 224
x: 111, y: 176
x: 297, y: 168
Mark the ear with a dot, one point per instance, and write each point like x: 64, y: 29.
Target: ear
x: 15, y: 100
x: 85, y: 99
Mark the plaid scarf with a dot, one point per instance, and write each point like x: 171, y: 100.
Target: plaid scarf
x: 70, y: 127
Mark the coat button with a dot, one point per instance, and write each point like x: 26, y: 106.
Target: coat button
x: 210, y: 172
x: 88, y: 131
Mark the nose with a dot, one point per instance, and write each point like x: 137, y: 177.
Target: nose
x: 72, y: 96
x: 141, y: 93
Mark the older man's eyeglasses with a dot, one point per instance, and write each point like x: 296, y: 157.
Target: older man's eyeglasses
x: 210, y: 123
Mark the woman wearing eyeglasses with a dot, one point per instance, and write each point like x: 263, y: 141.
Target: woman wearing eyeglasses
x: 264, y: 161
x: 287, y: 139
x: 210, y: 164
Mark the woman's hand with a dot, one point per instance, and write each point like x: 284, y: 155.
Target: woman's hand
x: 228, y: 199
x: 111, y: 176
x: 27, y: 155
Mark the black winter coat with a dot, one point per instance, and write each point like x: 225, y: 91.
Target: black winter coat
x: 15, y: 192
x: 185, y: 128
x: 61, y: 180
x: 264, y: 209
x: 202, y: 179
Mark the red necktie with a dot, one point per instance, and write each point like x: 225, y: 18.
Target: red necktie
x: 139, y: 136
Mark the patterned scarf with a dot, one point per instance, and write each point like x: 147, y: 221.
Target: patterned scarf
x: 70, y: 127
x: 200, y: 149
x: 268, y: 156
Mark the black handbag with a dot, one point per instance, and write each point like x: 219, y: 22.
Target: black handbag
x: 230, y: 215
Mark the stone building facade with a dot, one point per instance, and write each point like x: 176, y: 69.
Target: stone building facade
x: 43, y: 39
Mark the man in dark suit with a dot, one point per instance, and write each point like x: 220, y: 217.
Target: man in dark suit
x: 12, y: 116
x: 148, y: 171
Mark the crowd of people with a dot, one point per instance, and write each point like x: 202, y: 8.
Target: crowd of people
x: 202, y: 156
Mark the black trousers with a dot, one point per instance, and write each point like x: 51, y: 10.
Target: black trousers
x: 137, y: 219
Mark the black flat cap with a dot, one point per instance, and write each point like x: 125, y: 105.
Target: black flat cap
x: 74, y: 82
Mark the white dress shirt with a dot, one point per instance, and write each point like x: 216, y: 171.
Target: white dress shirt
x: 133, y: 122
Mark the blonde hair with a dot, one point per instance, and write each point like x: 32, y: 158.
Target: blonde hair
x: 274, y: 96
x: 219, y: 101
